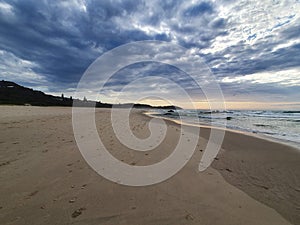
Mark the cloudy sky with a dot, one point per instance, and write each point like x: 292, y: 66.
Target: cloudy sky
x: 252, y: 48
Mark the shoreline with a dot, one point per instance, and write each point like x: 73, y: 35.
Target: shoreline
x: 234, y: 166
x: 288, y: 143
x: 45, y: 180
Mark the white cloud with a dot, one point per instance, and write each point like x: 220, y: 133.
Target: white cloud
x: 252, y: 21
x: 15, y: 69
x: 287, y: 44
x: 75, y: 4
x: 5, y: 7
x: 286, y: 77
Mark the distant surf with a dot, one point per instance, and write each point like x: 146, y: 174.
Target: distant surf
x: 280, y: 125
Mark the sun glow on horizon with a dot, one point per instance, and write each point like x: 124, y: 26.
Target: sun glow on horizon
x: 230, y: 105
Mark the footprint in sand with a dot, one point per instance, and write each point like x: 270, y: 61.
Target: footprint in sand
x: 5, y: 163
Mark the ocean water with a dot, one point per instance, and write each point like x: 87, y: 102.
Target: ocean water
x: 281, y: 125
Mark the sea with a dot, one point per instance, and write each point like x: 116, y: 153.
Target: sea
x: 283, y: 126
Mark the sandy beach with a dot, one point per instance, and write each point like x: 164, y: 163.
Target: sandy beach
x: 45, y: 180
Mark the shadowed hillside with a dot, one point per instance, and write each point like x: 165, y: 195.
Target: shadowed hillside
x: 14, y: 94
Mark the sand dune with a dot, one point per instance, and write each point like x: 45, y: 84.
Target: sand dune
x: 45, y: 180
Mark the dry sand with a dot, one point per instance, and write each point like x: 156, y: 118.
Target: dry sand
x: 45, y: 180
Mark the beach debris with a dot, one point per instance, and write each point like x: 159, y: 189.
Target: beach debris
x: 33, y: 193
x: 78, y: 212
x: 72, y: 200
x: 216, y: 158
x: 189, y: 217
x: 228, y: 118
x: 229, y: 170
x: 264, y: 187
x: 83, y: 186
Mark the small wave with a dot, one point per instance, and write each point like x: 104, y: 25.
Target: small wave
x: 214, y: 112
x: 291, y: 112
x: 262, y: 125
x: 267, y: 132
x: 215, y: 118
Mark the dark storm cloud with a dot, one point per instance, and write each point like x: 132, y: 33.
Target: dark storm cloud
x: 64, y: 40
x: 37, y: 33
x: 57, y: 40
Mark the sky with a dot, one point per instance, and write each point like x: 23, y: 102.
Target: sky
x: 252, y: 48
